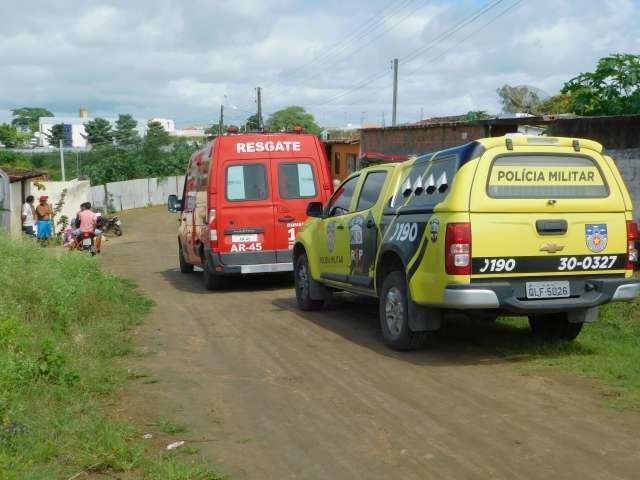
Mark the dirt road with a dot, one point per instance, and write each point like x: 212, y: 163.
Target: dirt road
x: 285, y: 394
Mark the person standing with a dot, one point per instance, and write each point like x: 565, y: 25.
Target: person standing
x: 28, y: 216
x: 44, y: 214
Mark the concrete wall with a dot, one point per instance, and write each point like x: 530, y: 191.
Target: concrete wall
x: 77, y: 193
x: 620, y: 132
x: 628, y: 162
x: 136, y: 193
x: 418, y: 140
x: 5, y: 202
x: 16, y: 209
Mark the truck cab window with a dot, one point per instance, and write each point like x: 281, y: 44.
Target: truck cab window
x: 341, y: 200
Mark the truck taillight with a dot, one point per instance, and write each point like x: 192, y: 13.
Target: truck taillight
x: 458, y: 249
x: 632, y: 237
x: 213, y: 230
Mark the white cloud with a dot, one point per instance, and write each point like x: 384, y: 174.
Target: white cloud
x: 179, y: 59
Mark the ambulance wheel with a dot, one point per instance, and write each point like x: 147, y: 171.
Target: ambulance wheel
x: 303, y: 283
x: 184, y: 266
x: 554, y: 326
x: 394, y: 315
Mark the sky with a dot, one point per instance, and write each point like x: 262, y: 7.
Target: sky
x: 183, y: 59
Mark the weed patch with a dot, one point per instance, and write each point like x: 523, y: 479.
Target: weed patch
x: 63, y: 328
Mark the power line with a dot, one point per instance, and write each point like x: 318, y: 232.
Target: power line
x: 449, y: 49
x: 433, y: 43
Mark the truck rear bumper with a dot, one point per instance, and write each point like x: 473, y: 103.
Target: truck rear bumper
x: 510, y: 295
x: 220, y: 268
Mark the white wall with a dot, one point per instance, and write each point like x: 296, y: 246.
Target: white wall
x: 77, y: 193
x: 5, y: 202
x: 136, y: 193
x: 16, y: 208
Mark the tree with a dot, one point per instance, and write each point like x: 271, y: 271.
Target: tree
x: 612, y: 89
x: 27, y: 118
x: 477, y: 115
x: 155, y: 138
x: 9, y: 135
x: 125, y: 132
x: 561, y: 103
x: 521, y: 98
x: 56, y: 134
x: 253, y: 123
x: 98, y: 132
x: 290, y: 117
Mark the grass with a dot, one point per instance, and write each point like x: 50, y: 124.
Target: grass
x: 167, y: 426
x: 607, y: 351
x: 63, y: 334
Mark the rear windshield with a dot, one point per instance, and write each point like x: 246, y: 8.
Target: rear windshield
x: 296, y: 180
x: 546, y: 176
x: 246, y: 182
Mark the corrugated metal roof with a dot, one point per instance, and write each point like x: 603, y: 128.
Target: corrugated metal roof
x: 19, y: 174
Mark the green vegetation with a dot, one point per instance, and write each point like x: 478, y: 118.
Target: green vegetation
x: 290, y: 117
x: 28, y: 118
x: 607, y: 351
x: 63, y: 333
x: 108, y: 163
x: 612, y: 89
x: 167, y: 426
x: 56, y: 134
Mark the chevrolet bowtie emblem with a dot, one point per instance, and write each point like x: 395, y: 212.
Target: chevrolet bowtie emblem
x: 551, y: 247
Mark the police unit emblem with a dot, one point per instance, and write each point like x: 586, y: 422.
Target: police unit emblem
x: 596, y: 235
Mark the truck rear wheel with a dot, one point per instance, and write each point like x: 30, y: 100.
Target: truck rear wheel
x: 303, y: 279
x: 185, y: 267
x: 554, y: 326
x: 394, y: 315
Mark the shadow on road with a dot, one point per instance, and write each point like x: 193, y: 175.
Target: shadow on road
x: 460, y: 341
x: 192, y: 282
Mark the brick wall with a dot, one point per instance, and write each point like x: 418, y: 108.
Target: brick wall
x: 417, y: 141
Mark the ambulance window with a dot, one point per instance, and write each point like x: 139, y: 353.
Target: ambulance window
x: 246, y: 182
x: 546, y: 176
x: 296, y: 180
x: 341, y: 200
x: 371, y: 190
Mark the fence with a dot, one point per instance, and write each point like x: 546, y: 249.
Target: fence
x: 135, y: 193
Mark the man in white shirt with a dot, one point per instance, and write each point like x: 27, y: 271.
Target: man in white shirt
x: 28, y: 216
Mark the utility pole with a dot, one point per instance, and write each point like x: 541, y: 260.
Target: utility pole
x: 259, y: 101
x: 395, y: 92
x: 221, y: 124
x: 383, y: 122
x: 64, y: 177
x: 421, y: 114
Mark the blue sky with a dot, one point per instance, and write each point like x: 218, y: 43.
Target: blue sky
x: 183, y: 59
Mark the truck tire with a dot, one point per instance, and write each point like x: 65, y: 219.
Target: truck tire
x: 210, y: 280
x: 554, y: 326
x: 185, y: 267
x: 303, y: 283
x: 394, y: 315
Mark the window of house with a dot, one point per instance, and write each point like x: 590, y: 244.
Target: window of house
x: 336, y: 163
x: 352, y: 162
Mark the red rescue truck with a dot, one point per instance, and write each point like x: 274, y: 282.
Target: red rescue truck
x: 244, y: 199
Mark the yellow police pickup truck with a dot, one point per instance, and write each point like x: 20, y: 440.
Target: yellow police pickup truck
x: 517, y: 225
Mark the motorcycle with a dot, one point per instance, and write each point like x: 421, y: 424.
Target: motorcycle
x: 87, y: 243
x: 112, y: 224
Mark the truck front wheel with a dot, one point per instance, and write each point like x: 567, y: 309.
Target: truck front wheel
x: 303, y: 283
x: 554, y: 326
x: 394, y: 315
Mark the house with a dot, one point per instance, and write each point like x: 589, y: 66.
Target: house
x: 15, y: 185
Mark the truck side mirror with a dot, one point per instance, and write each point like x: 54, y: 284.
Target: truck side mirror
x: 314, y: 209
x: 173, y: 204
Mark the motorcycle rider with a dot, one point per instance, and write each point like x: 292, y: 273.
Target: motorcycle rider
x: 87, y: 221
